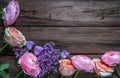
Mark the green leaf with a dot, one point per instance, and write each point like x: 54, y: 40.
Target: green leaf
x: 4, y: 66
x: 4, y: 74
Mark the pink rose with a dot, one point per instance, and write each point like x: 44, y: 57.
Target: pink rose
x: 66, y: 67
x: 102, y: 69
x: 82, y: 62
x: 29, y: 65
x: 11, y: 12
x: 14, y: 37
x: 111, y: 58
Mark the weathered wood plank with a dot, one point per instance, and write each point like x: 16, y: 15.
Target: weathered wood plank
x: 84, y: 40
x: 68, y: 13
x: 13, y: 69
x: 77, y: 40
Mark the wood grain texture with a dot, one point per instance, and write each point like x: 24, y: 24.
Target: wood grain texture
x: 86, y: 27
x: 83, y: 40
x: 13, y: 69
x: 68, y: 13
x: 77, y: 40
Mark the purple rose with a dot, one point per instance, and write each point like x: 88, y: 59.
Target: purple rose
x: 11, y: 13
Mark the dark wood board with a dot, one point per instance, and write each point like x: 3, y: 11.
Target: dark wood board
x: 83, y: 40
x: 67, y: 12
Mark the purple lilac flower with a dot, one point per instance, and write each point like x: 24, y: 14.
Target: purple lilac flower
x: 48, y: 59
x: 37, y: 50
x: 64, y: 54
x: 29, y: 45
x: 19, y: 51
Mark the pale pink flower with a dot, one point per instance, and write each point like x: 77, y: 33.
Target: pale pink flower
x: 111, y: 58
x: 66, y: 67
x: 14, y: 37
x: 82, y: 62
x: 11, y: 13
x: 29, y: 65
x: 101, y: 68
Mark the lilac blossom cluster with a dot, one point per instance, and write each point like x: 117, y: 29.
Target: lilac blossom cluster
x: 48, y: 59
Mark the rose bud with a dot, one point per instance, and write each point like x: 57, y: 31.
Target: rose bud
x: 82, y: 62
x: 101, y: 69
x: 111, y: 58
x: 66, y: 67
x: 29, y: 45
x: 11, y: 13
x: 29, y: 65
x: 14, y: 37
x: 64, y: 54
x: 37, y: 50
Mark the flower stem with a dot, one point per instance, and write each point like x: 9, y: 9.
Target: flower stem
x: 24, y: 76
x: 48, y: 76
x: 96, y: 76
x: 18, y: 74
x: 2, y: 12
x: 118, y: 72
x: 62, y: 76
x: 76, y: 74
x: 3, y: 47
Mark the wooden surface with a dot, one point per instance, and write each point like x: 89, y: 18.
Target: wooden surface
x: 88, y: 27
x: 68, y: 12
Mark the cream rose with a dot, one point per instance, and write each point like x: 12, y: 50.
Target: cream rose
x: 102, y: 69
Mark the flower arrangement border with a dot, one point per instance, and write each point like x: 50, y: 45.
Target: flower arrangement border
x: 37, y: 61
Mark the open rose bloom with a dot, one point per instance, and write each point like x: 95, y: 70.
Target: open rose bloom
x: 82, y: 62
x: 29, y: 65
x: 14, y: 37
x: 111, y: 58
x: 66, y: 67
x: 101, y: 68
x: 11, y: 13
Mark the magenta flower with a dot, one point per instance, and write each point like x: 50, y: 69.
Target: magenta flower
x: 29, y: 65
x: 11, y: 12
x: 82, y: 62
x: 111, y: 58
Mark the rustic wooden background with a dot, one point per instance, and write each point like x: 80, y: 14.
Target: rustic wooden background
x: 88, y: 27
